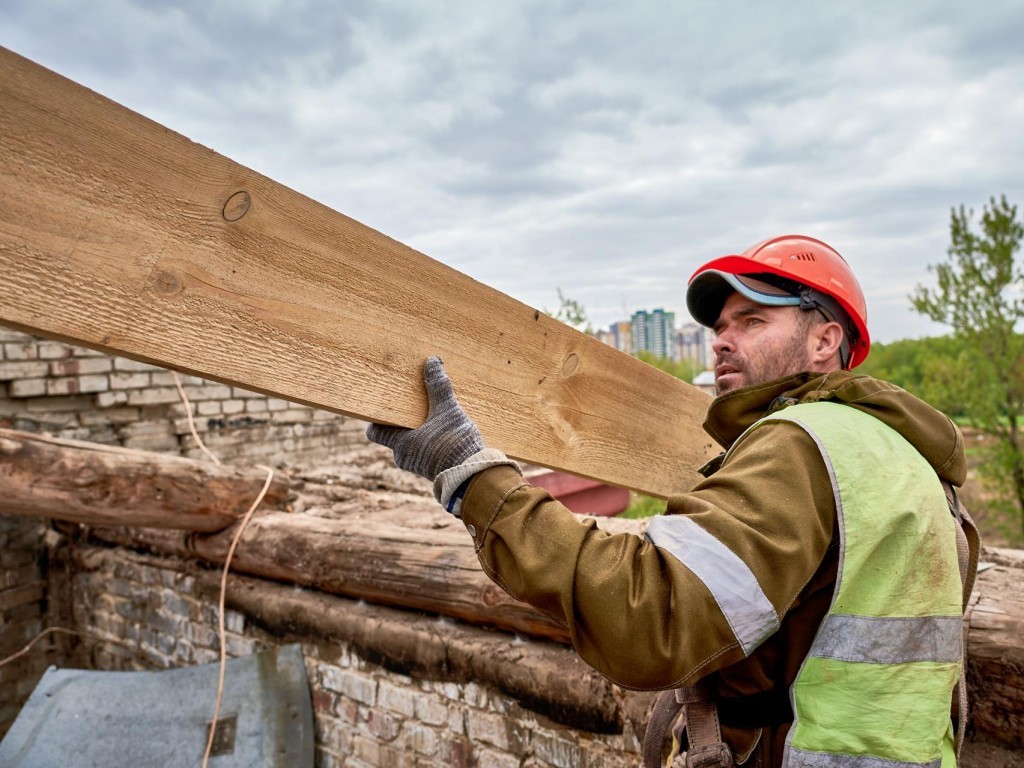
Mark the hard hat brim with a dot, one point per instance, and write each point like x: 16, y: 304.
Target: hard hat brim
x: 708, y: 292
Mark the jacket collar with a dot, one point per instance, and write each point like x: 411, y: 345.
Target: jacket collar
x: 932, y: 433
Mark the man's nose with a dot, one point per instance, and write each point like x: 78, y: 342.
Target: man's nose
x: 722, y: 343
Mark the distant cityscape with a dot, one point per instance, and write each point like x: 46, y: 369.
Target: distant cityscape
x: 655, y: 331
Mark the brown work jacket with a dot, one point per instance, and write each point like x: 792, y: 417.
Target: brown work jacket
x: 640, y: 617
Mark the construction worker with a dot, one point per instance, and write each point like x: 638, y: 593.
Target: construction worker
x: 809, y: 583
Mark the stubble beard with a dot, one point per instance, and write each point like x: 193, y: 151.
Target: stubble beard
x: 765, y: 365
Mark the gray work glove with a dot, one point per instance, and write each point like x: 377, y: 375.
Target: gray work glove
x: 447, y: 448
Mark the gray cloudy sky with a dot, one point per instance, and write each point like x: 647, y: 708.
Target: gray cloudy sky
x: 604, y: 148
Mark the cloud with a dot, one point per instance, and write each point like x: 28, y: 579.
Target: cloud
x: 603, y: 148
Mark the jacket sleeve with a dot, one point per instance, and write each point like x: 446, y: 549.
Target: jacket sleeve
x: 648, y: 616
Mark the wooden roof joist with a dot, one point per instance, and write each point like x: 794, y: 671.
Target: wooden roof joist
x: 120, y: 235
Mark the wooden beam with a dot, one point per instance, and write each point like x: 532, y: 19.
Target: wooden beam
x: 120, y: 235
x: 417, y: 557
x: 105, y: 485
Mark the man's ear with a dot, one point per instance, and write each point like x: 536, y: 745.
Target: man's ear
x: 823, y: 346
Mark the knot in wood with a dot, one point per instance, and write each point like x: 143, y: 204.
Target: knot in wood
x: 237, y: 206
x: 570, y: 364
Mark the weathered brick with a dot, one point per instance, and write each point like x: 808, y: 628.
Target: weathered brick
x: 111, y: 399
x: 208, y: 408
x: 147, y: 429
x: 488, y: 728
x: 456, y: 751
x: 475, y: 695
x: 396, y: 698
x: 256, y: 406
x: 164, y: 379
x: 27, y: 388
x: 129, y: 380
x: 74, y: 385
x: 105, y: 416
x: 231, y: 407
x: 493, y: 759
x: 422, y: 739
x: 15, y: 351
x: 81, y: 367
x: 156, y: 443
x: 382, y: 724
x: 237, y: 646
x: 29, y: 369
x: 234, y: 621
x: 238, y: 392
x: 63, y: 404
x: 6, y: 334
x: 320, y: 415
x: 451, y: 691
x: 208, y: 392
x: 356, y: 686
x: 430, y: 710
x: 293, y: 415
x: 201, y: 425
x: 275, y: 404
x: 559, y: 752
x: 152, y: 396
x: 324, y: 702
x: 54, y: 350
x: 86, y: 352
x: 124, y: 364
x: 456, y: 719
x: 206, y: 655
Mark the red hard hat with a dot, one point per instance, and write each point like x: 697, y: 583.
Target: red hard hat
x: 802, y: 259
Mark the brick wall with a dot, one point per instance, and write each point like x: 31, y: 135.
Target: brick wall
x: 74, y: 392
x: 137, y: 611
x: 23, y: 608
x: 146, y: 612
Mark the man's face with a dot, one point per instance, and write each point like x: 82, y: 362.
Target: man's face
x: 754, y: 344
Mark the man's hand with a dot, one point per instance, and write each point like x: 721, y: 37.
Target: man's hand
x: 446, y: 439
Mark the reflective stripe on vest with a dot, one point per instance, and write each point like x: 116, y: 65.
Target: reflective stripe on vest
x: 875, y: 688
x: 750, y: 614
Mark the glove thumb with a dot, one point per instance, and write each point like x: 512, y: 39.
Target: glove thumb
x: 385, y: 435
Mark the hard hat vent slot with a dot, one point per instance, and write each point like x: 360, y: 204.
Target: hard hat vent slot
x: 805, y: 256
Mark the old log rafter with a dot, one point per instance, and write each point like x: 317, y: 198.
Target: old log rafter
x: 96, y: 484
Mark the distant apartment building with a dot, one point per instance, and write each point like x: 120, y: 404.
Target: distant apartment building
x: 654, y: 332
x: 693, y: 343
x: 622, y: 333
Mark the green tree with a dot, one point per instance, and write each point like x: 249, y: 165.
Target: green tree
x: 919, y: 366
x: 980, y: 295
x: 686, y: 370
x: 570, y: 312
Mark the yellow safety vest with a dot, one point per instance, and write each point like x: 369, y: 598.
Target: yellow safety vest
x: 875, y: 689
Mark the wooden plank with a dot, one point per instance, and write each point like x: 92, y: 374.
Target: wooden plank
x: 120, y: 235
x: 97, y: 484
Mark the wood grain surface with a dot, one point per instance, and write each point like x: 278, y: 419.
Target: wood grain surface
x: 120, y: 235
